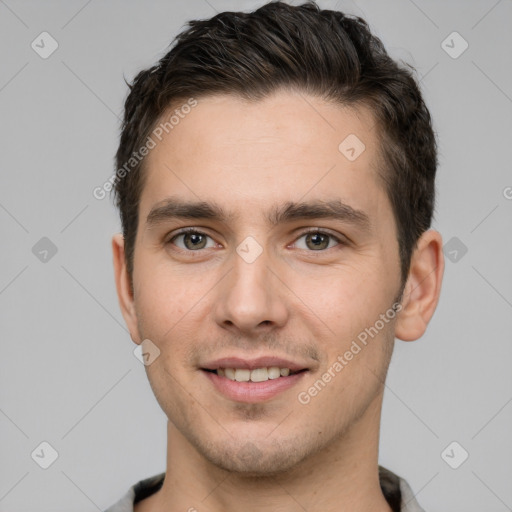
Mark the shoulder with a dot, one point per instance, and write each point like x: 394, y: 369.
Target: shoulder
x: 138, y: 492
x: 397, y: 492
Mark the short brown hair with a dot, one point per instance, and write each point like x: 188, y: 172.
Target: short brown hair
x: 321, y: 52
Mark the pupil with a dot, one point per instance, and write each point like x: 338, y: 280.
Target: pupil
x: 318, y: 240
x: 194, y: 239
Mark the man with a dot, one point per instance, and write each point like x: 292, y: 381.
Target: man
x: 276, y: 188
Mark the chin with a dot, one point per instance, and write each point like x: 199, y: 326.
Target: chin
x: 248, y: 459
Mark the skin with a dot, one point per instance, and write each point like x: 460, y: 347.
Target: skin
x: 294, y: 301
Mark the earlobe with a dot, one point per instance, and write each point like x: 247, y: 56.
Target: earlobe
x: 123, y: 286
x: 421, y: 293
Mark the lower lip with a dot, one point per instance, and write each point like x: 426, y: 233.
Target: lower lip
x: 253, y: 392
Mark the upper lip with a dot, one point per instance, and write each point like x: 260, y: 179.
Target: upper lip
x: 251, y: 364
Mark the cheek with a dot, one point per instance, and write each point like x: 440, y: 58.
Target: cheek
x: 163, y: 297
x: 343, y: 299
x: 171, y: 311
x: 346, y: 306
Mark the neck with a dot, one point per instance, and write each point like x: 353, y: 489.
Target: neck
x: 342, y: 477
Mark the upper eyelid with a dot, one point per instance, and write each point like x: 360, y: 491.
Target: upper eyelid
x: 322, y: 231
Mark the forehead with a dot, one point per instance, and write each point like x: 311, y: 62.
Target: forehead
x: 288, y: 146
x: 285, y: 121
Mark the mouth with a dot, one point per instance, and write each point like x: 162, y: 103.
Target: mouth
x: 253, y: 381
x: 263, y: 374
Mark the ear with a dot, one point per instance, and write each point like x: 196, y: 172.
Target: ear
x: 124, y: 289
x: 423, y: 286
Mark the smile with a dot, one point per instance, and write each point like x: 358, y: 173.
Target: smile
x: 256, y: 375
x: 252, y: 386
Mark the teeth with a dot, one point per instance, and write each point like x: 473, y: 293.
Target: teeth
x: 242, y: 375
x: 256, y: 375
x: 274, y: 372
x: 259, y: 375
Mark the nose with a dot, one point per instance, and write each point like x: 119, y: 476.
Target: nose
x: 251, y: 299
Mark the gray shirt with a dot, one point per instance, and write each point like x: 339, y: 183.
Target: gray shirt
x: 395, y: 489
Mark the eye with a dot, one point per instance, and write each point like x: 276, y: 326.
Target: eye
x: 192, y: 240
x: 317, y: 241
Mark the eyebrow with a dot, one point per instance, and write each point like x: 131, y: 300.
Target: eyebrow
x: 175, y: 208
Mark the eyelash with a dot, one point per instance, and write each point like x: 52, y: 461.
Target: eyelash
x: 318, y: 231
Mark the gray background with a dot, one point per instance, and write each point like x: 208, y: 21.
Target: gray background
x: 68, y: 374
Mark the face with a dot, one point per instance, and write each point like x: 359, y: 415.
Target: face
x: 291, y: 255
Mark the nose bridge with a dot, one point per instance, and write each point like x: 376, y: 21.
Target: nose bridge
x: 251, y: 268
x: 250, y: 296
